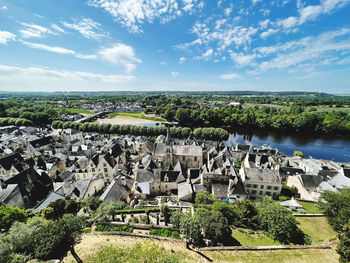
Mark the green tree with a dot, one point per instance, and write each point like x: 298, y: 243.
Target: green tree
x: 336, y: 208
x: 205, y: 198
x: 298, y: 153
x: 9, y: 215
x: 94, y: 202
x: 343, y: 247
x: 107, y: 210
x: 165, y: 211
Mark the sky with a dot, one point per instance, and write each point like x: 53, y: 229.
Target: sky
x: 189, y: 45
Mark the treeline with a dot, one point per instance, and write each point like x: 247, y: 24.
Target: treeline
x: 295, y: 119
x: 15, y: 121
x: 216, y: 134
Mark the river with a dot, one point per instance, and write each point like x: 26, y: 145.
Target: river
x: 319, y: 147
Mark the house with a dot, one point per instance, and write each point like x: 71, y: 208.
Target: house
x: 261, y: 182
x: 261, y: 161
x: 10, y: 164
x: 119, y: 189
x: 27, y: 188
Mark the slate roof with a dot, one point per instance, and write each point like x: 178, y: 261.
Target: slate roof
x: 143, y: 175
x: 159, y: 149
x: 52, y: 197
x: 42, y: 142
x: 340, y: 181
x: 262, y: 175
x: 6, y: 192
x: 187, y: 150
x: 219, y: 190
x: 311, y: 182
x: 116, y: 190
x: 291, y: 203
x: 7, y: 161
x: 325, y: 186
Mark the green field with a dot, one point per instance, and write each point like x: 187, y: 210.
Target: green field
x: 310, y: 208
x: 247, y: 237
x: 317, y: 228
x: 80, y: 111
x: 137, y: 115
x: 319, y: 108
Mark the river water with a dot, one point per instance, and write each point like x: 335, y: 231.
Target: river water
x: 328, y: 148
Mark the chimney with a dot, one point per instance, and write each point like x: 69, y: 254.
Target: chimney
x: 123, y: 180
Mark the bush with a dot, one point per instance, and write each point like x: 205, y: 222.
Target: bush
x: 86, y: 230
x: 9, y: 215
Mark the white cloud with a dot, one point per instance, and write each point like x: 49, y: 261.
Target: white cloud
x: 255, y: 1
x: 22, y: 74
x: 56, y: 27
x: 311, y: 12
x: 228, y: 10
x: 264, y: 24
x: 33, y: 30
x: 87, y: 28
x: 230, y: 76
x: 174, y: 73
x: 162, y: 63
x: 4, y: 7
x: 315, y: 51
x: 133, y: 13
x: 182, y: 60
x: 243, y: 60
x: 122, y: 55
x: 225, y: 35
x: 267, y: 33
x: 6, y: 37
x: 59, y: 50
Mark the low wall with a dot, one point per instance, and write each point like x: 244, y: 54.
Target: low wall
x: 309, y: 215
x: 327, y: 245
x: 119, y: 233
x: 138, y: 226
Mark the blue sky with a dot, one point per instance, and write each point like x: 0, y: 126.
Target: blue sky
x: 100, y: 45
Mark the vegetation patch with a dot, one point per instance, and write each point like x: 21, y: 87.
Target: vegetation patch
x: 108, y: 228
x: 146, y: 252
x: 311, y: 208
x: 247, y: 237
x: 80, y: 111
x: 317, y: 228
x: 165, y: 233
x: 137, y: 115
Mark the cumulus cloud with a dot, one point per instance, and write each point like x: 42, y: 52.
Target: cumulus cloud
x: 182, y: 60
x: 6, y: 36
x: 174, y: 73
x: 133, y: 13
x: 121, y: 55
x: 230, y: 76
x: 87, y: 27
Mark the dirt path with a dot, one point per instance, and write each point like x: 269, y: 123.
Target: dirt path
x: 124, y: 120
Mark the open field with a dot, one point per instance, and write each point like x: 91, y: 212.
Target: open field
x: 136, y: 115
x: 90, y: 247
x: 317, y: 228
x: 247, y: 238
x: 72, y: 111
x: 319, y: 108
x: 310, y: 208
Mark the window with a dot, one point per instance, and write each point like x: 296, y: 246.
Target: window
x: 269, y: 187
x: 255, y: 186
x: 105, y: 170
x: 93, y: 170
x: 261, y: 187
x: 166, y: 186
x: 268, y: 193
x: 261, y: 192
x: 254, y: 192
x: 104, y: 165
x: 195, y: 159
x: 275, y: 188
x: 248, y: 185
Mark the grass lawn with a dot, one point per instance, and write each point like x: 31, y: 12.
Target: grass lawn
x: 103, y: 248
x: 317, y: 228
x: 72, y: 111
x: 252, y: 239
x: 310, y: 208
x: 137, y: 115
